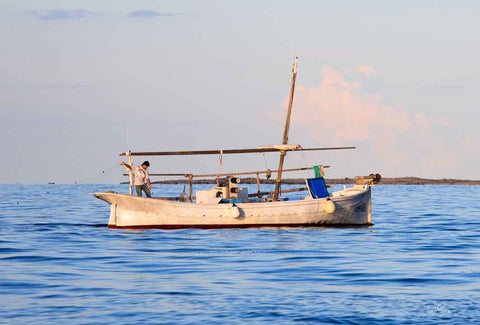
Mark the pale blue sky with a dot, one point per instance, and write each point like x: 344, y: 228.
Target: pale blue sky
x: 210, y: 74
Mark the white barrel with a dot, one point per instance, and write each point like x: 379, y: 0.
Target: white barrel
x: 329, y: 207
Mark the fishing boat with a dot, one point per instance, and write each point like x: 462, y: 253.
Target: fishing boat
x: 228, y: 205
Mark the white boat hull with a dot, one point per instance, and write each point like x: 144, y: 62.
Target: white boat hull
x: 352, y: 207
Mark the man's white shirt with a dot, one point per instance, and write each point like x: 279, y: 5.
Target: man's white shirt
x: 140, y: 175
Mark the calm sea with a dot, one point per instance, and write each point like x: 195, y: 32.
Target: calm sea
x: 419, y: 264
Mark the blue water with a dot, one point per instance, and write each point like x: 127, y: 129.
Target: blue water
x: 419, y: 264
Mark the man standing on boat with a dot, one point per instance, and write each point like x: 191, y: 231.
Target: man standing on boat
x: 141, y: 178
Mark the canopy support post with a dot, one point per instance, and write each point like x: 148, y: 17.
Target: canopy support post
x: 190, y: 187
x: 258, y: 184
x: 130, y: 174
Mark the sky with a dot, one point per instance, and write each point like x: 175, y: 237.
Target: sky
x: 82, y: 81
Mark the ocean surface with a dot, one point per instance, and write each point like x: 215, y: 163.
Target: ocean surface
x: 418, y: 264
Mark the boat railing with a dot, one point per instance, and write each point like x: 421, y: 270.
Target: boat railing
x: 268, y: 173
x: 252, y: 195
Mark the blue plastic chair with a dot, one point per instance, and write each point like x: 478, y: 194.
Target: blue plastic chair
x: 317, y: 188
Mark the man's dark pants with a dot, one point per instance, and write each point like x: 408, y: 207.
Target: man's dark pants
x: 143, y: 187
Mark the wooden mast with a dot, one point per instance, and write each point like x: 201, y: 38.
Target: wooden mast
x: 285, y: 132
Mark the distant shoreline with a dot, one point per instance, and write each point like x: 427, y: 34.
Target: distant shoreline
x: 385, y: 181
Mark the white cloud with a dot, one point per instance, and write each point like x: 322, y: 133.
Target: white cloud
x: 62, y: 14
x: 341, y: 109
x: 146, y: 13
x: 338, y: 111
x: 366, y: 70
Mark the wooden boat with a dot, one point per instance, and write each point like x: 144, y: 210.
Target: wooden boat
x: 227, y: 205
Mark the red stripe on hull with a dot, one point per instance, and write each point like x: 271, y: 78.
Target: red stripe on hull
x: 308, y: 225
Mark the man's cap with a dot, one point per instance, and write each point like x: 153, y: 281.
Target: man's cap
x: 146, y: 163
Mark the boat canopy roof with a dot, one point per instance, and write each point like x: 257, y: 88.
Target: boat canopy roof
x: 272, y: 148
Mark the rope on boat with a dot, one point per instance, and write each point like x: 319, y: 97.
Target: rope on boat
x: 268, y: 174
x: 127, y: 135
x: 220, y: 160
x: 305, y: 173
x: 71, y: 203
x: 265, y: 159
x: 103, y: 172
